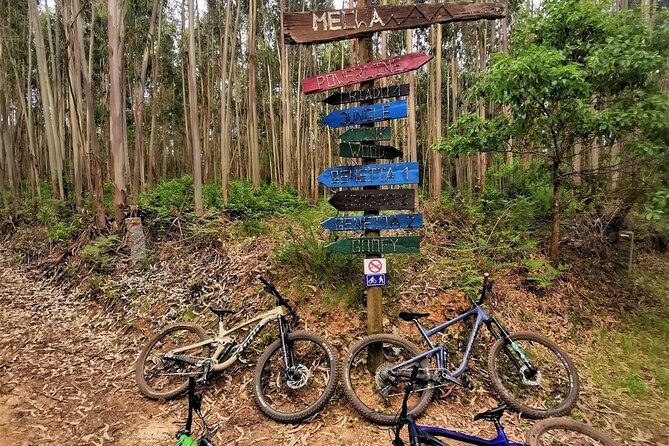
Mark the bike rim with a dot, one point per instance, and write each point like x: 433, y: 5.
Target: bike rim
x: 547, y: 385
x: 165, y: 375
x: 300, y: 387
x: 372, y: 382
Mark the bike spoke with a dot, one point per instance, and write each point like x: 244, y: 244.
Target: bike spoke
x: 294, y: 390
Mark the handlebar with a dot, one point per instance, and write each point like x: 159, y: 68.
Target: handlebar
x: 280, y: 300
x: 487, y: 287
x: 402, y: 417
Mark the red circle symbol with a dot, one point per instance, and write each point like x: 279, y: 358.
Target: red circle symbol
x: 375, y: 266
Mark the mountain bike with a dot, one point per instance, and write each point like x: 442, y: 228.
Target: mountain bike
x: 531, y: 373
x: 194, y: 405
x: 294, y: 377
x: 548, y: 432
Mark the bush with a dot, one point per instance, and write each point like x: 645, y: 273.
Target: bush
x: 245, y: 201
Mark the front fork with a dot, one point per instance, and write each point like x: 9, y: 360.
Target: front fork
x: 286, y: 347
x: 510, y: 347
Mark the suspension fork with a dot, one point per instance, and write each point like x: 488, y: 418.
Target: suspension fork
x: 499, y: 332
x: 286, y: 348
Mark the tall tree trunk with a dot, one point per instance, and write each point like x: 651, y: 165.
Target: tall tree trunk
x: 411, y: 122
x: 435, y: 158
x: 252, y: 110
x: 286, y: 117
x: 116, y: 114
x: 48, y: 108
x: 5, y: 140
x: 93, y: 153
x: 553, y: 250
x: 74, y: 99
x: 137, y: 177
x: 192, y: 98
x: 151, y: 168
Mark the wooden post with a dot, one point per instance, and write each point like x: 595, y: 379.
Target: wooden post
x: 374, y: 294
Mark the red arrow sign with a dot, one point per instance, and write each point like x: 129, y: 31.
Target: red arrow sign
x: 366, y: 72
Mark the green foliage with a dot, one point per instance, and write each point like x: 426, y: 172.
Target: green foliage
x: 657, y: 208
x: 169, y: 197
x: 336, y: 273
x: 245, y: 201
x: 98, y: 251
x: 541, y: 273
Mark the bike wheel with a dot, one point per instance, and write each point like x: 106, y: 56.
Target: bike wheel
x: 289, y: 396
x: 162, y: 378
x: 565, y: 431
x: 551, y: 391
x: 372, y: 392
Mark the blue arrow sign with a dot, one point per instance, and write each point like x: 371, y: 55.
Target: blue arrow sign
x: 370, y: 175
x: 374, y: 222
x: 367, y: 114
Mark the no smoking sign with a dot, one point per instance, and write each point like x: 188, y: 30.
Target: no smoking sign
x: 375, y: 272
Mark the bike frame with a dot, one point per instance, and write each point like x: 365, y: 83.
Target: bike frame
x: 224, y: 343
x: 439, y: 351
x: 427, y: 435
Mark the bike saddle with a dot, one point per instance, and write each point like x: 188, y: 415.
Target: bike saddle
x: 492, y: 414
x: 220, y: 312
x: 409, y: 316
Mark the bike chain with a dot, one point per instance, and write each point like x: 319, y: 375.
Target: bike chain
x: 424, y: 388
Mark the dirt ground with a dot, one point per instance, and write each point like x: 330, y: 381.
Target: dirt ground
x: 64, y: 378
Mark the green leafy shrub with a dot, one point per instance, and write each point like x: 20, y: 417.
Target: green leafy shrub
x: 98, y: 251
x: 306, y: 254
x: 245, y: 201
x: 541, y: 273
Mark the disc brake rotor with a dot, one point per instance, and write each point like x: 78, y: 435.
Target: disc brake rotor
x: 535, y: 381
x: 297, y: 376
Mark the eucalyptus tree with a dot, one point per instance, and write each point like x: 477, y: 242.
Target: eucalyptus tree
x: 561, y: 89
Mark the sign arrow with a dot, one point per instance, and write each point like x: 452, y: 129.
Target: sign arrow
x: 390, y: 174
x: 367, y: 114
x: 366, y: 134
x: 373, y: 222
x: 366, y: 72
x: 372, y: 94
x: 377, y: 245
x: 364, y: 150
x: 374, y: 200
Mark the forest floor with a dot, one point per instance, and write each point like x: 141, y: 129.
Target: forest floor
x: 67, y: 361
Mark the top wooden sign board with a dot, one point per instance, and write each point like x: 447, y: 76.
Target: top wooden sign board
x: 338, y: 24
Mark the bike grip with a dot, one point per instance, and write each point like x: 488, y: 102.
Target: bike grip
x: 486, y: 276
x: 204, y: 441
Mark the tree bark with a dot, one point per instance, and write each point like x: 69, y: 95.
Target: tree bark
x: 192, y: 98
x: 116, y: 115
x: 137, y: 178
x: 252, y: 111
x: 553, y: 250
x: 48, y: 108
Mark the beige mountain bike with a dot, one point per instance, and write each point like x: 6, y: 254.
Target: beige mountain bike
x: 294, y: 378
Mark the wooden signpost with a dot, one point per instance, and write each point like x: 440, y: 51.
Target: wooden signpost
x: 391, y: 174
x: 373, y: 222
x: 367, y: 114
x: 365, y: 150
x: 337, y: 24
x: 374, y: 200
x: 371, y: 94
x: 377, y: 245
x: 366, y: 134
x: 366, y: 72
x: 331, y: 25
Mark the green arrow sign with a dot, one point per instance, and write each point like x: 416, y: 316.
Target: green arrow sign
x: 377, y: 245
x: 366, y: 134
x: 366, y: 150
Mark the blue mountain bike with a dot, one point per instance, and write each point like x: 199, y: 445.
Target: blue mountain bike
x: 548, y: 432
x: 531, y: 373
